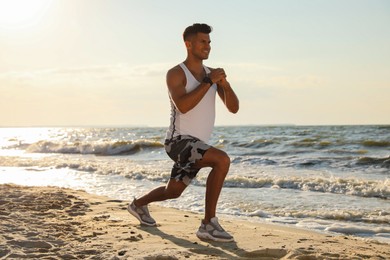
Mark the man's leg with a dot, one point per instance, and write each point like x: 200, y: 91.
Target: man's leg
x: 172, y: 190
x: 219, y: 161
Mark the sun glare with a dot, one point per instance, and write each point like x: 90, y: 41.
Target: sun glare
x: 19, y: 14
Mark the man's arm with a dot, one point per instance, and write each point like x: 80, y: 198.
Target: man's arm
x: 229, y: 98
x: 184, y: 101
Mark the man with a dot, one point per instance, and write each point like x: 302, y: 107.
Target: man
x: 192, y: 91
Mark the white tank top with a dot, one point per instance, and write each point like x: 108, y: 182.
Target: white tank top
x: 199, y: 121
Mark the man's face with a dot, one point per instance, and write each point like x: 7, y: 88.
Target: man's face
x: 199, y: 46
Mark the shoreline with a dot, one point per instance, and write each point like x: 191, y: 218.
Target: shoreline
x: 61, y: 223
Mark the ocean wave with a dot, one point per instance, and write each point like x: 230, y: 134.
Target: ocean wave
x: 344, y: 161
x: 353, y: 230
x: 347, y: 152
x: 355, y: 187
x: 374, y: 143
x: 257, y: 143
x: 160, y: 171
x: 253, y: 160
x: 97, y: 148
x: 312, y: 142
x: 373, y: 161
x: 370, y: 217
x: 318, y: 143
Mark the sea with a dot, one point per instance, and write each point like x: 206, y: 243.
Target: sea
x: 330, y: 179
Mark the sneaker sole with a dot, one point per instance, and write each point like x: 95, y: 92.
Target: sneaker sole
x: 207, y: 236
x: 135, y: 214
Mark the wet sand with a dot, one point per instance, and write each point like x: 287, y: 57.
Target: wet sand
x: 57, y: 223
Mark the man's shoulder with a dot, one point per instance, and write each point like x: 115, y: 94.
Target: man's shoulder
x: 176, y: 71
x: 175, y: 68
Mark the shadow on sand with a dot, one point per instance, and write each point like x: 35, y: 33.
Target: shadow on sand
x: 229, y: 250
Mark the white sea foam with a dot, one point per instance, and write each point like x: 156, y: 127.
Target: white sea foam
x: 353, y: 229
x: 259, y: 213
x: 160, y: 171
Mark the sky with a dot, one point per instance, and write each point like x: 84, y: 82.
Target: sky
x: 103, y: 63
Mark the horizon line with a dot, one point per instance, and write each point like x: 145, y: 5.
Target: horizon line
x: 148, y: 126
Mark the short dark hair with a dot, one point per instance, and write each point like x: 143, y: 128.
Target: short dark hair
x: 196, y: 28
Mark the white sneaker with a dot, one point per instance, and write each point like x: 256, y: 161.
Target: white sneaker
x: 142, y: 214
x: 213, y: 231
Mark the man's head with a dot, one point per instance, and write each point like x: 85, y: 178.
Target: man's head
x: 197, y: 40
x: 194, y: 29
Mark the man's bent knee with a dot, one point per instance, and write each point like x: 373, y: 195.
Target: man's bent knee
x: 214, y: 158
x: 223, y: 160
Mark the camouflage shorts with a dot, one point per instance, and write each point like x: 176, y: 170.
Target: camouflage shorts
x: 184, y: 150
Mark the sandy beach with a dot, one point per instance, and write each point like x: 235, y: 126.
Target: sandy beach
x: 57, y: 223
